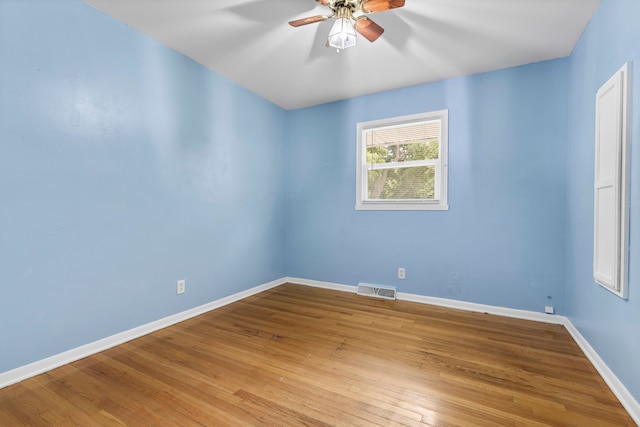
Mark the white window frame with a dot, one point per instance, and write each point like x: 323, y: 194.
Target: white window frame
x: 442, y: 165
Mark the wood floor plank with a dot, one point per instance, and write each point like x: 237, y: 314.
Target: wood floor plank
x: 296, y: 355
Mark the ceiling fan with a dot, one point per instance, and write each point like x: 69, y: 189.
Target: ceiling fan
x: 351, y: 17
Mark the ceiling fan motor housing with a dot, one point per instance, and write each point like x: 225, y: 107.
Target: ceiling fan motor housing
x: 338, y: 5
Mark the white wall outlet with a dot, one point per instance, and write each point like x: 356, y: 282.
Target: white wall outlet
x: 549, y: 310
x: 180, y: 286
x: 401, y: 274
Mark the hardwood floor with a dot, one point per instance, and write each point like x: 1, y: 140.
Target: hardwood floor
x: 297, y: 355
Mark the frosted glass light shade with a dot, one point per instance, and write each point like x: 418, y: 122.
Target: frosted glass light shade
x: 342, y: 34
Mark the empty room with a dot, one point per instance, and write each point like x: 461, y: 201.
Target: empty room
x: 319, y: 212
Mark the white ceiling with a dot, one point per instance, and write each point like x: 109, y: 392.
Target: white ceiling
x: 250, y: 42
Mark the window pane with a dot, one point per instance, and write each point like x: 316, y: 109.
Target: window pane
x: 416, y: 141
x: 402, y: 183
x: 403, y: 152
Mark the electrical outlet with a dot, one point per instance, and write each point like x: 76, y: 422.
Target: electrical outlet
x: 549, y: 310
x: 180, y: 286
x: 401, y: 274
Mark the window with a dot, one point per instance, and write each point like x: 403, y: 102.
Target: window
x: 402, y: 163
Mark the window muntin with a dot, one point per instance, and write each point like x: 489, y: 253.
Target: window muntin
x: 402, y: 163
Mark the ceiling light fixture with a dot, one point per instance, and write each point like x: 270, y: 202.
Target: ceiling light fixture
x: 350, y: 18
x: 343, y: 33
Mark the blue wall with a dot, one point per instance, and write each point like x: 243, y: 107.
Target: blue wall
x: 502, y: 240
x: 124, y: 167
x: 609, y: 323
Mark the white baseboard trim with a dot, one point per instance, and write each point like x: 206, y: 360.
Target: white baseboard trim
x: 442, y: 302
x: 482, y: 308
x: 27, y: 371
x: 626, y: 399
x: 320, y: 284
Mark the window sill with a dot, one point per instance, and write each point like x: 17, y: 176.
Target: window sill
x: 401, y: 206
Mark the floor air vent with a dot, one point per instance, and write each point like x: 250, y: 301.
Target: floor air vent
x: 378, y: 291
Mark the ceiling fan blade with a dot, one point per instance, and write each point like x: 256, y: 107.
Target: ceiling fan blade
x: 368, y: 29
x: 309, y: 20
x: 372, y: 6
